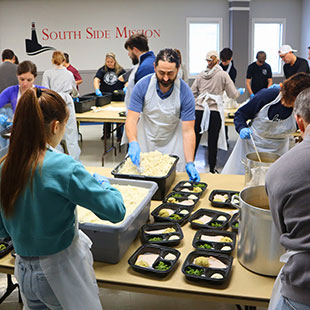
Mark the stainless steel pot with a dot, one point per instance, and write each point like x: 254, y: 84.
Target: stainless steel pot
x: 255, y: 171
x: 259, y: 247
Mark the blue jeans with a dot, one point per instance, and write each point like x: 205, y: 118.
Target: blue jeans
x: 288, y: 304
x: 34, y: 287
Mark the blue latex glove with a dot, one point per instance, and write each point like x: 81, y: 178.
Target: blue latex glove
x: 101, y: 179
x: 4, y: 121
x: 98, y: 93
x: 125, y: 89
x: 192, y: 172
x: 276, y: 86
x: 241, y: 91
x: 245, y: 133
x: 76, y: 99
x: 251, y: 96
x: 134, y: 153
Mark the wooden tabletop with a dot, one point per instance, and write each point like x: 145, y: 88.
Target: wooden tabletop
x: 244, y: 287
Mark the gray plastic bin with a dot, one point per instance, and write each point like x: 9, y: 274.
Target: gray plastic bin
x: 110, y: 242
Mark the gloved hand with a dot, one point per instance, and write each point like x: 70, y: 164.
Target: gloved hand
x: 192, y: 172
x: 77, y: 99
x: 134, y: 153
x: 125, y: 89
x: 241, y: 91
x: 245, y: 133
x: 100, y: 178
x: 98, y: 93
x: 251, y: 96
x: 276, y: 86
x: 4, y: 120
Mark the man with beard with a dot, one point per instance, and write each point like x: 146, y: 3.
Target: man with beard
x: 142, y: 59
x: 161, y: 115
x: 258, y: 75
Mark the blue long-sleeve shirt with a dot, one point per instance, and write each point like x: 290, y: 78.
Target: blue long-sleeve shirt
x: 9, y: 96
x: 43, y: 219
x: 251, y: 109
x: 146, y: 65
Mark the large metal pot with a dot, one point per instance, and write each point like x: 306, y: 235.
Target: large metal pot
x: 259, y: 247
x: 255, y: 171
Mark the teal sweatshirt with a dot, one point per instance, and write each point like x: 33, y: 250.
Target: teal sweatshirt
x: 43, y: 220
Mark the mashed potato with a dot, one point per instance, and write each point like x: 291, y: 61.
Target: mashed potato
x: 132, y: 196
x: 153, y: 164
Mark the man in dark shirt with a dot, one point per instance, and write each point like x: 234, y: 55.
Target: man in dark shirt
x: 258, y: 75
x: 227, y: 63
x: 8, y: 69
x: 293, y: 64
x: 75, y: 72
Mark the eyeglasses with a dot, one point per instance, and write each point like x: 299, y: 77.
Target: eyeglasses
x: 208, y: 60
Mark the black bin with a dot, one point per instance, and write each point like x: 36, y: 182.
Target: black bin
x: 85, y: 103
x: 105, y: 99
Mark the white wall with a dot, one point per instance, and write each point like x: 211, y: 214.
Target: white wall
x: 167, y: 17
x: 305, y: 29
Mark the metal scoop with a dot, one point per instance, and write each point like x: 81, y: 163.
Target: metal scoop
x: 255, y: 148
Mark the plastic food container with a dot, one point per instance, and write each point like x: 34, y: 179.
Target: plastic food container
x: 218, y: 220
x: 189, y: 187
x: 118, y: 95
x: 6, y: 245
x: 180, y: 197
x: 201, y: 242
x: 222, y: 204
x: 85, y: 103
x: 164, y: 183
x: 110, y: 242
x: 105, y: 99
x: 155, y: 234
x: 198, y: 273
x: 234, y: 222
x: 161, y: 266
x: 176, y: 215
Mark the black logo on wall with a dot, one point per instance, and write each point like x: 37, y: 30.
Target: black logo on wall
x: 32, y: 46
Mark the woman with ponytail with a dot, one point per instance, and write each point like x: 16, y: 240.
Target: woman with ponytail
x: 39, y: 191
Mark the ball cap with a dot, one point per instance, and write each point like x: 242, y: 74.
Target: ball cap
x: 284, y: 49
x: 212, y: 53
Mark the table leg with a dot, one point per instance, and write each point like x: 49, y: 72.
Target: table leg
x: 105, y: 151
x: 10, y: 288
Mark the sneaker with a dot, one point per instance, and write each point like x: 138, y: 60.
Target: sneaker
x: 214, y: 171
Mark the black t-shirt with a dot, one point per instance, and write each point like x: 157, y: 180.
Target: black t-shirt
x: 300, y: 65
x: 109, y: 80
x: 259, y: 76
x: 232, y: 72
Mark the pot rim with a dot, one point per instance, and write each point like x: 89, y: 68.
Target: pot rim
x: 247, y: 204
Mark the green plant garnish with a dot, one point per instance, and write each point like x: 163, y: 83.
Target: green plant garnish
x: 177, y: 195
x: 194, y: 271
x: 236, y: 225
x: 2, y: 247
x: 162, y: 266
x: 216, y: 224
x: 205, y: 246
x: 175, y: 217
x: 199, y: 185
x: 156, y: 239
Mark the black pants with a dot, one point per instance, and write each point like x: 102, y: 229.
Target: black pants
x: 213, y: 135
x: 119, y: 131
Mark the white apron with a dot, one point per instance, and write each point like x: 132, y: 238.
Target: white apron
x: 269, y: 135
x: 130, y: 86
x: 222, y: 144
x: 276, y: 291
x: 71, y: 276
x: 160, y: 127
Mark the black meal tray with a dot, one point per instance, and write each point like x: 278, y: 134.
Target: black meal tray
x: 154, y: 249
x: 184, y: 196
x: 219, y: 204
x: 180, y: 187
x: 210, y: 213
x: 164, y: 183
x: 216, y: 246
x: 147, y: 238
x: 7, y: 242
x: 118, y: 95
x: 177, y: 210
x: 85, y: 103
x: 105, y: 99
x: 207, y: 272
x: 235, y: 220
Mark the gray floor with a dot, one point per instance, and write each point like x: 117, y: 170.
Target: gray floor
x: 121, y: 300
